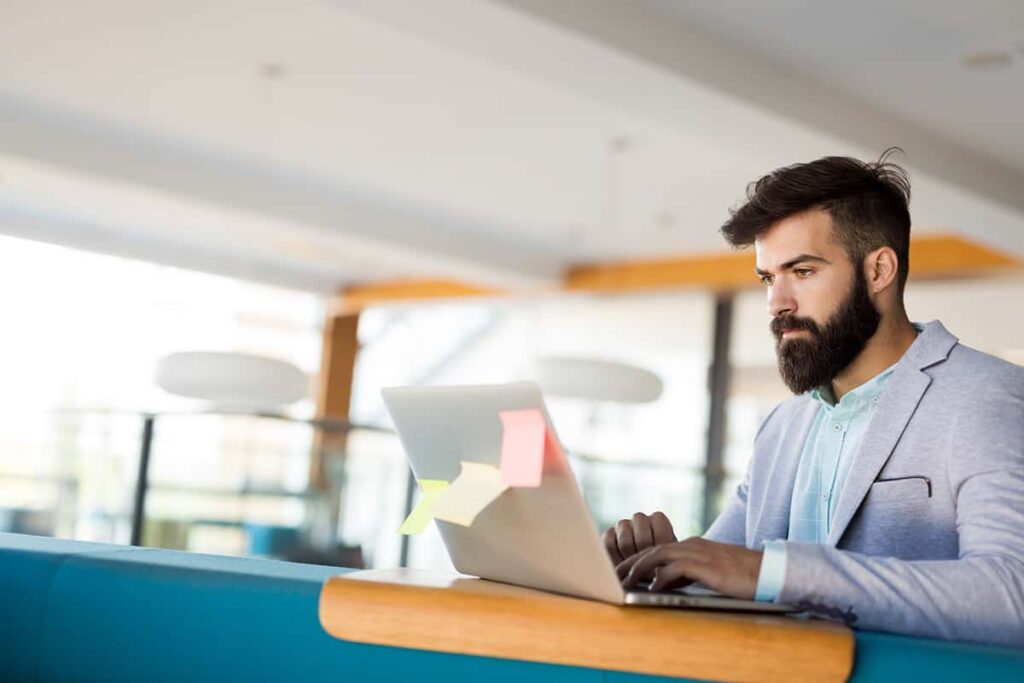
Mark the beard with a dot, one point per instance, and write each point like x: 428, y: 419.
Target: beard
x: 816, y: 359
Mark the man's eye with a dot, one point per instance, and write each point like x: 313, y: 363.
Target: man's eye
x: 803, y: 272
x: 767, y: 279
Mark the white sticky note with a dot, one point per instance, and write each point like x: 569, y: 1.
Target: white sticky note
x: 476, y: 487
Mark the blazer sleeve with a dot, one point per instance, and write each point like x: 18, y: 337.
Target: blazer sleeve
x: 731, y: 524
x: 977, y: 597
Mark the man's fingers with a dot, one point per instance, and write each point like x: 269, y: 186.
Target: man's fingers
x: 623, y: 567
x: 643, y: 534
x: 732, y: 570
x: 662, y: 529
x: 624, y: 537
x: 611, y: 544
x: 673, y: 575
x: 643, y: 567
x: 660, y: 556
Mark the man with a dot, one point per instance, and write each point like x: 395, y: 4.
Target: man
x: 890, y: 491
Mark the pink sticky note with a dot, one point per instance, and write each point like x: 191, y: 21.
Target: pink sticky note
x: 523, y: 444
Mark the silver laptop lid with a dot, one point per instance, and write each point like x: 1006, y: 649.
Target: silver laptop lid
x: 538, y: 537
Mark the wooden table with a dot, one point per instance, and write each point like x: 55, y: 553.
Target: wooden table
x: 450, y: 613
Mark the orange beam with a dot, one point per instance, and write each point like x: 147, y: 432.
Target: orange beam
x: 710, y: 271
x: 937, y: 256
x: 931, y: 257
x: 359, y: 297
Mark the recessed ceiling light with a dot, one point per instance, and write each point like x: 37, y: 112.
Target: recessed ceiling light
x: 620, y: 144
x: 271, y: 71
x: 986, y: 59
x: 665, y: 220
x: 577, y: 233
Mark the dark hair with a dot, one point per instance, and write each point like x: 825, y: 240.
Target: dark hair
x: 868, y: 203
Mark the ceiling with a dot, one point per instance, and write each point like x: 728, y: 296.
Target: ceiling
x: 906, y: 58
x: 319, y: 143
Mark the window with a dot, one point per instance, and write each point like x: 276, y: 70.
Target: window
x: 81, y: 337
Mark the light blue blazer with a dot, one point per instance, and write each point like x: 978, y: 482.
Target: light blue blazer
x: 928, y: 537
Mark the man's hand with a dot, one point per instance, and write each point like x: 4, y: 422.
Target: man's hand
x: 729, y: 569
x: 631, y: 536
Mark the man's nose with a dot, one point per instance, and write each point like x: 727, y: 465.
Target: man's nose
x: 780, y: 301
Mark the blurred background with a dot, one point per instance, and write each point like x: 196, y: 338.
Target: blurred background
x: 226, y: 225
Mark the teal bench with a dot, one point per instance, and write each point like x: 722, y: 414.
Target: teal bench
x: 75, y: 611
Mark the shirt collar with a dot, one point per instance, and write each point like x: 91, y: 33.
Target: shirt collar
x: 865, y: 393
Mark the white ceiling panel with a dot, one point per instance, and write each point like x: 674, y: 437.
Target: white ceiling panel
x: 316, y: 143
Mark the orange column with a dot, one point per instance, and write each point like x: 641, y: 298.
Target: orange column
x: 334, y: 391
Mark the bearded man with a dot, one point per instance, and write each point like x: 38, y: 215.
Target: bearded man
x: 890, y: 491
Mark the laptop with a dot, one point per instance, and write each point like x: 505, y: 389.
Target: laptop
x: 542, y: 538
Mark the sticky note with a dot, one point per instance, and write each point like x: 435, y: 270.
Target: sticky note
x: 476, y: 487
x: 524, y: 439
x: 421, y: 515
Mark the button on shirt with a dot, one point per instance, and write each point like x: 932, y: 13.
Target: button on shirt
x: 828, y: 454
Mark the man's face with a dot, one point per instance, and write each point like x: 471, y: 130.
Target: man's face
x: 822, y: 313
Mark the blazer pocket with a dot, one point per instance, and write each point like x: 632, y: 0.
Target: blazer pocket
x: 900, y: 490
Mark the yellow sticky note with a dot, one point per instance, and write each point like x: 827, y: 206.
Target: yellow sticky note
x: 421, y: 515
x: 476, y: 487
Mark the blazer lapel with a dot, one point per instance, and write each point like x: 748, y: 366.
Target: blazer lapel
x: 897, y: 405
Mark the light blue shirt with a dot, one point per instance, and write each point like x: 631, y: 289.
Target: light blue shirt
x: 828, y: 453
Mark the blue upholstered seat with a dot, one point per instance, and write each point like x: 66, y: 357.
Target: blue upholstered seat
x: 94, y: 612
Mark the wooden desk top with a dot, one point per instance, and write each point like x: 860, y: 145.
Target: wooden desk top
x: 450, y: 613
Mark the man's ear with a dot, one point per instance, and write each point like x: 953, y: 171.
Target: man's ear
x: 881, y: 267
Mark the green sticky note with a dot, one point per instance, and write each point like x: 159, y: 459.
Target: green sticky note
x: 420, y: 517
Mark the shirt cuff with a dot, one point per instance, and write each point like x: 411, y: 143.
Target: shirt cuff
x: 773, y: 572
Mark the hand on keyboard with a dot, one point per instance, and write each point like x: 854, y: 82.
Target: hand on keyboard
x: 631, y: 536
x: 728, y: 569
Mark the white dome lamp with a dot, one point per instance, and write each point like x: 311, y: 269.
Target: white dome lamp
x: 232, y: 381
x: 591, y: 379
